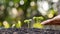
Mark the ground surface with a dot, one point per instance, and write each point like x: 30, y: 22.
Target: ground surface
x: 29, y: 31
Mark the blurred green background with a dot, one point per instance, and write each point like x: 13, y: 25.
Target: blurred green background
x: 14, y: 10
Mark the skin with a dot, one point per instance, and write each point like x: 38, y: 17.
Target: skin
x: 53, y: 21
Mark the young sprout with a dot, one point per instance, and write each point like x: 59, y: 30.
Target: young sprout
x: 41, y: 18
x: 13, y: 25
x: 36, y: 19
x: 51, y: 14
x: 38, y: 24
x: 27, y: 21
x: 6, y: 24
x: 18, y: 25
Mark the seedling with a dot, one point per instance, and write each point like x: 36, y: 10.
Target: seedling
x: 37, y: 24
x: 51, y: 14
x: 6, y: 24
x: 38, y: 19
x: 34, y: 18
x: 27, y: 21
x: 13, y: 25
x: 18, y: 25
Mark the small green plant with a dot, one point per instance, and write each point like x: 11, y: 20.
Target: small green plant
x: 27, y: 21
x: 18, y: 25
x: 51, y: 13
x: 40, y: 18
x: 37, y: 23
x: 6, y: 24
x: 13, y: 25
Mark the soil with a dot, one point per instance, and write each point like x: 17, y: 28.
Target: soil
x: 28, y: 31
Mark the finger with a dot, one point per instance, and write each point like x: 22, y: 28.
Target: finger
x: 47, y: 21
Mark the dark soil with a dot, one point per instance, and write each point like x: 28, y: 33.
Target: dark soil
x: 28, y: 31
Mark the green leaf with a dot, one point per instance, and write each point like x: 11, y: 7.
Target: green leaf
x: 41, y: 18
x: 18, y: 25
x: 37, y: 25
x: 51, y: 13
x: 6, y: 24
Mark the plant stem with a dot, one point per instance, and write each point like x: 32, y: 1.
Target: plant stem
x: 28, y: 24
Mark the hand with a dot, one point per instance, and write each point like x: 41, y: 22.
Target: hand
x: 53, y: 21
